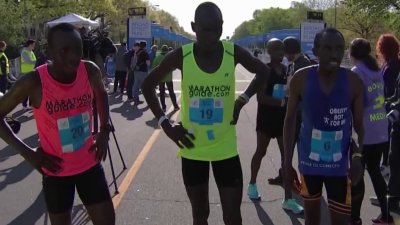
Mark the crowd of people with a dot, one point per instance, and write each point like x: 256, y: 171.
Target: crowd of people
x: 340, y: 118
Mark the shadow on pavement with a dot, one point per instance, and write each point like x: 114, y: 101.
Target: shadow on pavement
x: 262, y: 214
x: 114, y: 99
x: 130, y: 112
x: 33, y: 213
x: 19, y: 172
x: 79, y: 215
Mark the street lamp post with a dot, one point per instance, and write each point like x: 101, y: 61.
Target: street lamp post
x: 335, y: 12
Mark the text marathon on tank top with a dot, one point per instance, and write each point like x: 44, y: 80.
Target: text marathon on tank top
x: 64, y: 120
x: 207, y: 107
x: 325, y: 133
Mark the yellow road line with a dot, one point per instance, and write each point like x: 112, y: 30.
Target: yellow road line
x: 126, y: 182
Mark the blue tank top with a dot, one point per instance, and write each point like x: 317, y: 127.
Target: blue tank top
x: 325, y: 133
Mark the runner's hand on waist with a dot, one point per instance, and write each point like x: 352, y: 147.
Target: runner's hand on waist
x: 40, y: 159
x: 178, y: 134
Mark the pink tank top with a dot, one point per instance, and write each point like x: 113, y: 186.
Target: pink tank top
x: 64, y: 121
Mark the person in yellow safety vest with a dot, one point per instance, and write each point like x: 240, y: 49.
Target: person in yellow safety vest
x: 28, y: 61
x: 4, y: 67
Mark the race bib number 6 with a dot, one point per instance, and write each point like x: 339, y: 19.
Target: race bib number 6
x: 206, y: 111
x: 74, y: 131
x: 326, y: 146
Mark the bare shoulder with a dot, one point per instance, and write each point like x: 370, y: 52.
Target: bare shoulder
x: 91, y: 67
x: 299, y: 78
x: 31, y: 81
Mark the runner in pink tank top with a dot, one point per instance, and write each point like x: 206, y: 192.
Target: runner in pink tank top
x: 69, y: 156
x: 64, y: 121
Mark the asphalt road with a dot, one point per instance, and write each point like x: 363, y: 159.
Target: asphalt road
x: 151, y: 190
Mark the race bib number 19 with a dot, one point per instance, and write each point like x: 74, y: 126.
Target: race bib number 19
x: 74, y: 131
x: 206, y: 111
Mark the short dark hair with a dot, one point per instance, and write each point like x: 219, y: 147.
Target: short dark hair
x: 292, y: 45
x: 2, y: 44
x: 29, y: 42
x: 206, y: 5
x: 59, y: 27
x: 318, y: 36
x: 142, y: 44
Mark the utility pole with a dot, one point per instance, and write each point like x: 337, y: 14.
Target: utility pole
x: 335, y: 12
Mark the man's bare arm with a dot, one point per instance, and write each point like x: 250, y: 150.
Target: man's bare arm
x: 291, y: 117
x: 169, y: 63
x: 20, y: 91
x: 357, y: 106
x: 100, y: 93
x: 253, y: 65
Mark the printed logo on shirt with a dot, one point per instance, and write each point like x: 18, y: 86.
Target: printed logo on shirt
x: 68, y: 104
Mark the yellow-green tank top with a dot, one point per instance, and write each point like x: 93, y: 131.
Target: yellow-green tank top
x: 207, y: 107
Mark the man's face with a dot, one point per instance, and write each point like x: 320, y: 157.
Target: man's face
x: 275, y: 50
x: 66, y: 51
x: 208, y: 27
x: 330, y: 51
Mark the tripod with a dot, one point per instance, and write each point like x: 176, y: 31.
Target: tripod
x: 95, y: 131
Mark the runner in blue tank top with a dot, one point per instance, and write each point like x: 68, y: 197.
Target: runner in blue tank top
x: 332, y: 103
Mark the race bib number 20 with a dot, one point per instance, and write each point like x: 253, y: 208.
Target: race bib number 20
x: 74, y: 131
x: 206, y: 111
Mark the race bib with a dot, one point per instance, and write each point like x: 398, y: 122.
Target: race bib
x: 326, y: 146
x: 74, y: 131
x: 206, y: 111
x: 279, y: 91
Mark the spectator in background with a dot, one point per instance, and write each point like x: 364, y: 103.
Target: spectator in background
x: 293, y: 53
x: 4, y: 67
x: 28, y: 62
x: 130, y: 61
x: 167, y: 80
x: 140, y: 70
x: 153, y: 53
x: 120, y: 68
x: 43, y: 57
x: 387, y: 49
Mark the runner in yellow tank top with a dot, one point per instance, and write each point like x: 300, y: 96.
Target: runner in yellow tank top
x: 207, y: 133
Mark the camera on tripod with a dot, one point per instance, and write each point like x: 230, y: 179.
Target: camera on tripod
x: 394, y: 113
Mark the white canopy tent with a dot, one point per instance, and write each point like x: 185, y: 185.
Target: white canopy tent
x: 74, y: 19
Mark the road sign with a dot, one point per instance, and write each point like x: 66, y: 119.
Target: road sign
x: 308, y: 31
x: 313, y: 15
x: 139, y: 28
x: 137, y: 11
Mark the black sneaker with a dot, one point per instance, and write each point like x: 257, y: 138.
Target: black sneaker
x: 381, y: 221
x: 138, y: 102
x: 278, y: 180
